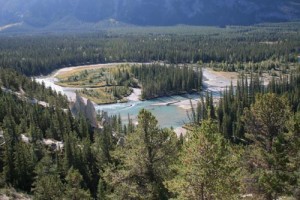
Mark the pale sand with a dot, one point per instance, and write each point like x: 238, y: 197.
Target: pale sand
x: 216, y: 81
x: 186, y: 104
x: 219, y: 79
x: 166, y: 103
x: 135, y: 95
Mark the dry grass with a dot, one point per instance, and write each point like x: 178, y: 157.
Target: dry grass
x: 83, y: 78
x: 227, y: 75
x: 66, y: 72
x: 89, y: 76
x: 105, y: 95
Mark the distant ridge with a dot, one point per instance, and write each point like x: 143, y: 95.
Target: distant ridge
x: 95, y: 14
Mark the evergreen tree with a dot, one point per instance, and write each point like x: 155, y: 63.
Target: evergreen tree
x: 268, y: 161
x: 294, y: 152
x: 11, y: 140
x: 143, y: 161
x: 266, y: 119
x: 47, y: 183
x: 74, y: 189
x: 208, y: 168
x: 24, y: 166
x: 101, y: 190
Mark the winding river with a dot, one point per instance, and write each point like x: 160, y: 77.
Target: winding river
x: 170, y: 111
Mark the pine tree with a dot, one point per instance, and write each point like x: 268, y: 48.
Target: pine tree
x: 101, y: 190
x: 208, y: 168
x: 143, y: 161
x: 48, y: 184
x: 24, y: 166
x: 11, y: 140
x: 74, y: 189
x: 265, y: 124
x: 266, y: 119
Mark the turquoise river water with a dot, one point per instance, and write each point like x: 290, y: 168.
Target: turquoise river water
x: 168, y: 114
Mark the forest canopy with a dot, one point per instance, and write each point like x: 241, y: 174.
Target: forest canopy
x: 245, y: 145
x: 37, y: 54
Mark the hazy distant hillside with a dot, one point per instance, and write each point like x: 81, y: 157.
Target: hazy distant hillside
x: 42, y: 13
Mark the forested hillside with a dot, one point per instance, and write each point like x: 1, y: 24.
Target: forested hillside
x: 16, y: 83
x: 24, y: 125
x: 245, y: 146
x: 249, y: 139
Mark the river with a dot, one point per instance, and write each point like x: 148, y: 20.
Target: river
x: 170, y: 111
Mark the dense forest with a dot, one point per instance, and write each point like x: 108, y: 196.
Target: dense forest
x: 160, y: 80
x: 36, y: 54
x: 246, y: 146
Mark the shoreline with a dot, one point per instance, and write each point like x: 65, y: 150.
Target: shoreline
x: 212, y: 80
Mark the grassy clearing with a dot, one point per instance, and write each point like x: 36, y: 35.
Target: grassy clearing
x: 84, y: 78
x: 74, y: 70
x: 107, y: 95
x: 93, y: 77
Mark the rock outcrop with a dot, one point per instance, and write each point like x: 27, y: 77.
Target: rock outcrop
x: 87, y: 109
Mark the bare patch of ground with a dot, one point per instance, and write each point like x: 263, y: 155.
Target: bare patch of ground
x: 135, y: 95
x: 219, y: 79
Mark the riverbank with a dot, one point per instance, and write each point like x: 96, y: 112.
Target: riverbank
x: 218, y: 80
x: 170, y: 111
x: 110, y: 83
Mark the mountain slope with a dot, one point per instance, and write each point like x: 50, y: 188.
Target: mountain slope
x: 42, y: 13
